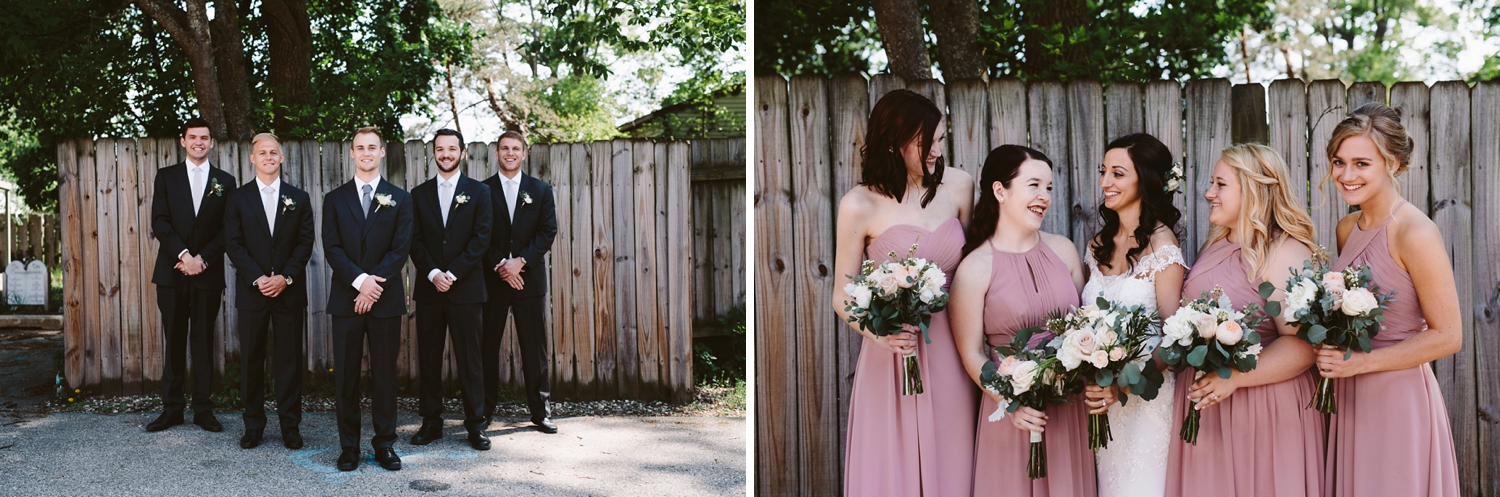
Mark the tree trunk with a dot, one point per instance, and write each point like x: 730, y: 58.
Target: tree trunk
x: 229, y: 55
x: 510, y: 119
x: 1052, y: 16
x: 900, y: 25
x: 190, y: 31
x: 452, y: 101
x: 290, y: 67
x: 956, y: 23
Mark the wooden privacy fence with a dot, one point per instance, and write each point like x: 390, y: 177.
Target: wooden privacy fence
x: 809, y: 132
x: 621, y: 295
x: 718, y: 228
x: 32, y: 237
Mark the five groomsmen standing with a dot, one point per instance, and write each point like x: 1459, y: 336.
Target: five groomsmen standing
x: 186, y: 213
x: 525, y: 224
x: 269, y: 235
x: 451, y: 238
x: 367, y: 228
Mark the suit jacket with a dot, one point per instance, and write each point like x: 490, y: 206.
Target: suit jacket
x: 529, y: 236
x: 458, y: 248
x: 174, y: 224
x: 256, y: 250
x: 377, y: 244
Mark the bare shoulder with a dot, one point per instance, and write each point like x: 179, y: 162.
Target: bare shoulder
x: 975, y: 266
x: 859, y: 198
x: 1416, y: 233
x: 1163, y: 236
x: 1062, y: 246
x: 1346, y: 225
x: 1288, y: 253
x: 957, y: 177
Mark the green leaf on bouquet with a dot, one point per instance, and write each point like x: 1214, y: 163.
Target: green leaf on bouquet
x: 1348, y: 353
x: 1273, y: 309
x: 1102, y: 303
x: 1245, y: 364
x: 923, y: 325
x: 1266, y: 289
x: 1195, y: 358
x: 1005, y: 351
x: 1130, y: 374
x: 1104, y: 378
x: 1364, y: 343
x: 988, y: 371
x: 1023, y: 337
x: 1224, y: 372
x: 1317, y: 333
x: 1170, y: 355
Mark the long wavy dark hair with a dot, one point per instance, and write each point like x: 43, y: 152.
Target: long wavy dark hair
x: 1153, y: 163
x: 1002, y: 165
x: 898, y: 117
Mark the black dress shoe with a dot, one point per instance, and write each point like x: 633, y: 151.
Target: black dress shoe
x: 478, y: 441
x: 430, y: 431
x: 250, y: 439
x: 207, y: 421
x: 388, y: 459
x: 166, y: 420
x: 292, y: 438
x: 545, y: 425
x: 349, y: 460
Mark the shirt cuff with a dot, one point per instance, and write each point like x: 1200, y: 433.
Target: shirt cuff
x: 360, y: 279
x: 179, y: 254
x: 451, y: 276
x: 432, y: 274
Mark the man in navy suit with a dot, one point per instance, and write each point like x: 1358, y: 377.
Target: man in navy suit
x: 367, y: 227
x: 269, y: 235
x: 525, y: 224
x: 186, y: 211
x: 451, y: 237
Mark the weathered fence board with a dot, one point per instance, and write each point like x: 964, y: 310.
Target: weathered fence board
x: 1455, y: 169
x: 112, y: 329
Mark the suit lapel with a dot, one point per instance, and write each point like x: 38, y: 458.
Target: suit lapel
x: 460, y: 187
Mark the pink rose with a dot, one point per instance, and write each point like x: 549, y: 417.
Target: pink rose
x: 1007, y: 365
x: 1333, y: 282
x: 1100, y: 358
x: 886, y: 282
x: 1087, y: 344
x: 1117, y: 354
x: 1230, y: 332
x: 904, y: 276
x: 1206, y: 325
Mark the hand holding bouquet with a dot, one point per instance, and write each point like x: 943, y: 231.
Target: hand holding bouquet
x: 1028, y: 377
x: 1208, y: 335
x: 1334, y: 309
x: 900, y: 292
x: 1106, y: 343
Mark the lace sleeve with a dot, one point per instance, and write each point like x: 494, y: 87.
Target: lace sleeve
x: 1159, y: 260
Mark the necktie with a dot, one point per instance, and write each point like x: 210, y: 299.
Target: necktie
x: 445, y: 197
x: 510, y: 198
x: 268, y: 200
x: 364, y: 200
x: 197, y: 186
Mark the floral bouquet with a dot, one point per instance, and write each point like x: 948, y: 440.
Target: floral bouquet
x: 1106, y: 343
x: 1028, y: 377
x: 1208, y: 335
x: 888, y: 295
x: 1334, y: 309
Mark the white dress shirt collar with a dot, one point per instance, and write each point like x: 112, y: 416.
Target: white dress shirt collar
x: 359, y: 186
x: 275, y: 184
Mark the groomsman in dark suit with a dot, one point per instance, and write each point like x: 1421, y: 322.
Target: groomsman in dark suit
x: 269, y: 234
x: 186, y: 213
x: 525, y: 224
x: 452, y: 235
x: 367, y: 226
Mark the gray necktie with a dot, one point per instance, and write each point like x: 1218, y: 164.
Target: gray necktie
x: 445, y: 192
x: 268, y: 199
x: 364, y: 200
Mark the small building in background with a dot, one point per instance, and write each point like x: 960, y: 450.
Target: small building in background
x: 724, y: 118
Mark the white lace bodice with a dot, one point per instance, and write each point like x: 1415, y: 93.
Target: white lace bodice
x: 1135, y: 462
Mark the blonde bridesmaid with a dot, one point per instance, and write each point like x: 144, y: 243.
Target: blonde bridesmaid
x: 1390, y: 436
x: 906, y: 445
x: 1013, y: 275
x: 1255, y: 437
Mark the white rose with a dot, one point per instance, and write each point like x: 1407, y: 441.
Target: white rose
x: 1091, y: 312
x: 1180, y: 324
x: 933, y: 277
x: 1100, y: 358
x: 1253, y: 350
x: 1300, y: 297
x: 928, y: 293
x: 1359, y: 301
x: 1022, y: 378
x: 860, y: 293
x: 1117, y: 354
x: 1109, y: 338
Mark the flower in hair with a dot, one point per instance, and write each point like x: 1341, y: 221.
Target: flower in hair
x: 1175, y: 179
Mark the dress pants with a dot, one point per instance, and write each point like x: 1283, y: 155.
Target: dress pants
x: 187, y: 316
x: 349, y: 334
x: 531, y: 332
x: 286, y: 362
x: 435, y: 322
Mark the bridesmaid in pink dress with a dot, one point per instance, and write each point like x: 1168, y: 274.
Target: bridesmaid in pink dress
x: 906, y: 445
x: 1390, y: 436
x: 1014, y: 274
x: 1255, y: 436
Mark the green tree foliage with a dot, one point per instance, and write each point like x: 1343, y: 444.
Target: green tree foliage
x: 815, y: 37
x: 1356, y: 40
x: 1490, y: 10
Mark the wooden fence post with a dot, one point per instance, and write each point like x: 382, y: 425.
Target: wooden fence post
x: 1452, y: 198
x: 1486, y: 284
x: 776, y: 373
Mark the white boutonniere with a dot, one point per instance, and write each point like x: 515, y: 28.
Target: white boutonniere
x: 214, y: 188
x: 1175, y: 179
x: 525, y: 198
x: 461, y: 199
x: 287, y: 204
x: 383, y: 200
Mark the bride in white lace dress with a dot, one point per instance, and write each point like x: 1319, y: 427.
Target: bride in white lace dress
x: 1143, y: 267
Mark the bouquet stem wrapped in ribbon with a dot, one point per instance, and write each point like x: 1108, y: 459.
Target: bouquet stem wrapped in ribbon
x: 1334, y: 309
x: 1028, y: 377
x: 1209, y: 335
x: 886, y: 296
x: 1106, y: 343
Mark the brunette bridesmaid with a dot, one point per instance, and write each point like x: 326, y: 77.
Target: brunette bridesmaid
x: 906, y: 445
x: 1390, y: 436
x: 1255, y: 436
x: 1013, y: 275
